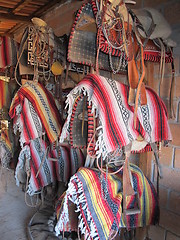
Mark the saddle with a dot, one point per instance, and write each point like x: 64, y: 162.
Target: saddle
x: 106, y: 35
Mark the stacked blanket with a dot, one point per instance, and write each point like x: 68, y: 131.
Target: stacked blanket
x: 98, y: 202
x: 109, y: 100
x: 35, y: 116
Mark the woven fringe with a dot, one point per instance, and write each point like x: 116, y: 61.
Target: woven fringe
x: 100, y: 144
x: 79, y: 199
x: 24, y: 155
x: 6, y: 158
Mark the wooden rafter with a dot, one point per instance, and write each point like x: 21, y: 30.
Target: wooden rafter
x: 20, y: 12
x: 17, y: 18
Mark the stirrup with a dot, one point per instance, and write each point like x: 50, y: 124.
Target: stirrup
x: 134, y: 210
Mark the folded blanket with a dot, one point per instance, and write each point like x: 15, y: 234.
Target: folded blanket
x: 98, y: 201
x: 44, y: 105
x: 115, y: 126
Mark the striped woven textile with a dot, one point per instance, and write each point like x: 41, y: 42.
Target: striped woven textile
x: 44, y: 105
x: 109, y: 100
x: 51, y: 171
x: 58, y: 164
x: 153, y: 53
x: 28, y: 123
x: 5, y: 143
x: 5, y: 149
x: 7, y: 52
x: 98, y: 200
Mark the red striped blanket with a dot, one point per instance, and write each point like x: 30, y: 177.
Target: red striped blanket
x: 7, y: 52
x: 57, y: 165
x: 98, y: 203
x: 44, y: 105
x: 109, y: 100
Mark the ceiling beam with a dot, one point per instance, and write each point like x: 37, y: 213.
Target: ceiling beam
x: 5, y: 9
x: 17, y: 18
x: 41, y: 11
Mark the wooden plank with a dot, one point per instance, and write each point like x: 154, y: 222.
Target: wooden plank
x: 46, y: 7
x: 21, y: 6
x: 6, y: 4
x: 16, y: 18
x: 19, y: 27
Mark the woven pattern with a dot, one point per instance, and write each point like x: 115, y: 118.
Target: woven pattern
x: 109, y: 99
x: 5, y: 143
x: 82, y: 46
x: 44, y: 105
x: 99, y: 203
x: 59, y: 164
x: 153, y: 54
x: 7, y: 52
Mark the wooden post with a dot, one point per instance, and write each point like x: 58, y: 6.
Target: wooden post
x: 145, y: 159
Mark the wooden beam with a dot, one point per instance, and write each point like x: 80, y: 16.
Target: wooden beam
x: 15, y: 29
x: 17, y: 18
x: 41, y: 11
x: 5, y: 9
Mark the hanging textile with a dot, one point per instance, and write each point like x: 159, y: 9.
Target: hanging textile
x: 115, y: 127
x: 43, y: 104
x: 98, y: 202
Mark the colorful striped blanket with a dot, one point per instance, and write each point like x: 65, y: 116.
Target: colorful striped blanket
x: 109, y: 101
x: 43, y: 104
x: 5, y: 142
x: 98, y: 202
x: 57, y: 165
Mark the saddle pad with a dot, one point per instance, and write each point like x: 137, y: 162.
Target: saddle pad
x: 152, y: 53
x: 82, y: 46
x: 115, y: 128
x: 98, y: 202
x: 44, y: 105
x: 67, y: 162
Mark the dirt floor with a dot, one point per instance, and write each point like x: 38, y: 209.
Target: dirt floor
x: 14, y: 213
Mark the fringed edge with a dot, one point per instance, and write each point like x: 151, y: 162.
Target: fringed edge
x: 100, y: 147
x: 6, y: 159
x: 25, y: 152
x: 78, y: 198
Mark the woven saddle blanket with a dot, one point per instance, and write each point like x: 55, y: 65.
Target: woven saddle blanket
x: 98, y: 200
x: 59, y: 164
x: 44, y: 106
x: 115, y: 127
